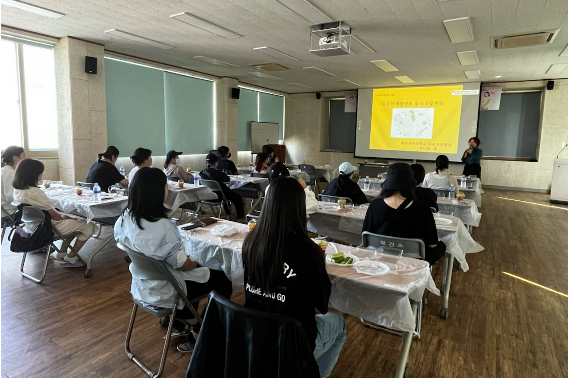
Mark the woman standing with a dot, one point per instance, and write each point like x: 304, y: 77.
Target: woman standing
x: 472, y: 158
x: 142, y: 158
x: 104, y: 172
x: 281, y: 261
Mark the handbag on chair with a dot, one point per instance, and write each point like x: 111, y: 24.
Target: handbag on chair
x: 40, y: 237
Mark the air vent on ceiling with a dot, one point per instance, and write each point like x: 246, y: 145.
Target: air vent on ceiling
x: 523, y: 40
x: 270, y: 67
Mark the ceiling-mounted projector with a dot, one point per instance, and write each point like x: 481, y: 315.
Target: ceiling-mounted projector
x: 330, y: 38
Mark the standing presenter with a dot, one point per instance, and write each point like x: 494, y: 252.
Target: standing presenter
x: 472, y: 158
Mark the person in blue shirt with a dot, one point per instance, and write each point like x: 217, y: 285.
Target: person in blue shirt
x: 472, y: 158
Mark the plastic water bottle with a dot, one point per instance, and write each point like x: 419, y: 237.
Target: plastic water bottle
x: 463, y: 182
x: 452, y: 193
x: 414, y: 161
x: 122, y: 171
x: 367, y: 183
x: 97, y: 192
x: 196, y: 180
x: 250, y: 166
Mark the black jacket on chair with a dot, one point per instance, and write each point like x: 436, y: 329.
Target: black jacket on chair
x: 235, y: 341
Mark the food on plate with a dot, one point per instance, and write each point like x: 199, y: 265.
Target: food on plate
x: 78, y: 190
x: 322, y: 244
x: 181, y: 183
x: 251, y: 225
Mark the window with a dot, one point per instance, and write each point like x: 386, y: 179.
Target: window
x: 512, y: 131
x: 28, y: 98
x: 341, y: 126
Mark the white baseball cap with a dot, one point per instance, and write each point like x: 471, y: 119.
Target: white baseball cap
x: 347, y: 168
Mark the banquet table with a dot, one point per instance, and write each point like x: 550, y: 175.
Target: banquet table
x: 249, y: 187
x: 107, y: 211
x: 374, y: 183
x: 189, y: 193
x: 389, y: 300
x: 327, y: 172
x: 466, y: 210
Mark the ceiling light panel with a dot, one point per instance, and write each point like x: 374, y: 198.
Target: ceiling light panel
x: 348, y: 82
x: 556, y: 69
x: 32, y: 8
x: 404, y: 79
x: 202, y: 24
x: 318, y: 71
x: 274, y: 53
x: 264, y: 76
x: 468, y: 58
x: 217, y: 62
x: 137, y: 38
x: 459, y: 30
x: 473, y: 74
x: 384, y: 65
x: 306, y: 10
x: 300, y: 85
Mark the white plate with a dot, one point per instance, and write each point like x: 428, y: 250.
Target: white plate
x: 329, y: 260
x: 371, y: 268
x: 330, y: 206
x: 443, y: 221
x: 224, y: 230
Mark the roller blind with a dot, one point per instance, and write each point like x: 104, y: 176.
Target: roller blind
x: 135, y: 107
x: 248, y: 112
x: 342, y: 127
x: 272, y: 110
x: 188, y: 114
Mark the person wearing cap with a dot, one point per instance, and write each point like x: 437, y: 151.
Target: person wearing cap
x: 224, y: 163
x: 396, y: 213
x: 213, y: 173
x: 172, y: 167
x: 142, y: 158
x: 343, y: 186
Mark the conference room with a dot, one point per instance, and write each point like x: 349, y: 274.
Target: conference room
x: 284, y: 188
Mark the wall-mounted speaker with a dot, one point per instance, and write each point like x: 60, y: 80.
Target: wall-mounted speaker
x: 90, y: 65
x: 550, y: 85
x: 318, y: 95
x: 235, y: 93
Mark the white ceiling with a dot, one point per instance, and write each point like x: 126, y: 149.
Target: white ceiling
x: 408, y: 33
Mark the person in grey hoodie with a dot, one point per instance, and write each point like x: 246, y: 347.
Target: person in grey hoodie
x: 172, y: 168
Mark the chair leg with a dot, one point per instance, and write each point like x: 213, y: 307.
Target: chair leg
x: 134, y: 359
x: 99, y: 227
x: 3, y: 231
x: 42, y: 277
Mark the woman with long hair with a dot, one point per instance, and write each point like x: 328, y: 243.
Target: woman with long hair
x: 26, y: 191
x: 396, y: 213
x: 343, y: 186
x: 441, y: 179
x: 142, y: 158
x: 144, y: 227
x: 172, y: 167
x: 285, y: 271
x: 261, y: 163
x: 103, y: 171
x: 11, y: 157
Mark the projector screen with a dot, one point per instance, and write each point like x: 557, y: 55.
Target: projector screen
x: 416, y: 122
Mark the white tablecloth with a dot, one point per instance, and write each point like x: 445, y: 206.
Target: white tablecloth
x: 328, y: 173
x: 300, y: 175
x: 381, y: 299
x: 374, y: 183
x: 466, y: 210
x: 347, y: 226
x: 190, y: 193
x: 65, y: 199
x: 240, y: 181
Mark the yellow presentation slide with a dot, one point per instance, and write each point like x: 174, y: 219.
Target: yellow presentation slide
x: 424, y: 119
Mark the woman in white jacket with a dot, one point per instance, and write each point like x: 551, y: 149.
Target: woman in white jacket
x: 278, y: 169
x: 172, y: 168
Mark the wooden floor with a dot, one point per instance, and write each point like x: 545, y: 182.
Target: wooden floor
x: 499, y: 326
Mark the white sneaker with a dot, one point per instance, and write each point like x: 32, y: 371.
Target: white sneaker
x: 58, y: 255
x: 71, y: 262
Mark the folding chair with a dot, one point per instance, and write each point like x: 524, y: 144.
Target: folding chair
x: 147, y: 268
x: 413, y: 248
x: 260, y: 175
x: 311, y: 171
x: 334, y: 199
x: 7, y: 221
x: 172, y: 178
x: 215, y: 187
x: 31, y: 214
x: 88, y: 185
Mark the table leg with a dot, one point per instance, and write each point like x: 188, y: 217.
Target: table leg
x: 446, y: 283
x: 406, y: 344
x: 88, y: 271
x: 256, y: 202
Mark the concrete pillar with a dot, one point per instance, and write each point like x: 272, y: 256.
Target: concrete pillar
x: 226, y: 121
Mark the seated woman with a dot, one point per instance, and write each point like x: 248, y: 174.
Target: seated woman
x: 426, y: 195
x: 25, y: 183
x: 261, y: 164
x: 266, y: 149
x: 441, y: 179
x: 396, y: 213
x: 343, y: 186
x: 225, y: 165
x: 213, y: 173
x: 11, y: 157
x: 104, y: 172
x: 279, y: 170
x: 293, y: 267
x: 145, y: 227
x: 172, y: 167
x: 142, y: 158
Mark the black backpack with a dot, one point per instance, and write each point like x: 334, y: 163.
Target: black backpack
x: 41, y: 237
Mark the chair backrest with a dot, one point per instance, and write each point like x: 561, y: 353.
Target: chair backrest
x: 311, y: 171
x: 261, y: 175
x: 414, y: 248
x: 442, y: 192
x: 250, y: 217
x: 213, y: 185
x: 88, y: 185
x: 172, y: 178
x: 334, y: 199
x: 6, y: 214
x: 31, y: 214
x: 254, y: 343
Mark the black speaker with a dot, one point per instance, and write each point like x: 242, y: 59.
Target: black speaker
x: 318, y: 95
x: 90, y: 65
x: 235, y: 93
x: 550, y: 85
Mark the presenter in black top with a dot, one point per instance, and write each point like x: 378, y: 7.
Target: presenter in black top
x: 472, y: 158
x: 226, y: 165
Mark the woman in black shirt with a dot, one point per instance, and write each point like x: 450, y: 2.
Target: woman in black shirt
x: 226, y: 165
x: 285, y: 271
x: 426, y: 195
x: 414, y: 222
x: 104, y: 172
x: 343, y: 186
